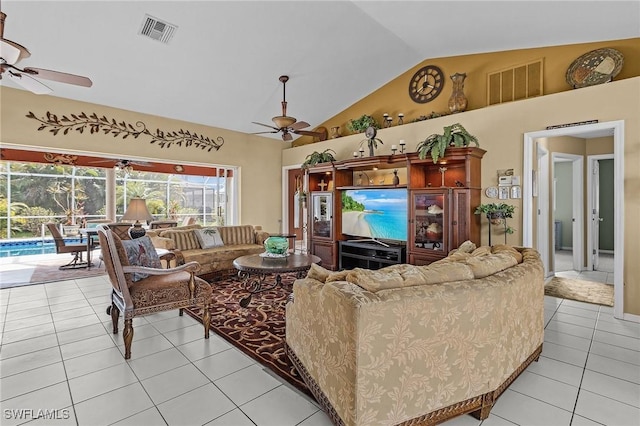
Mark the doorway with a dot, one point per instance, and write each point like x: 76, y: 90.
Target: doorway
x: 567, y: 213
x: 613, y: 128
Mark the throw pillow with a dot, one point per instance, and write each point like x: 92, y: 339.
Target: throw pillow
x: 183, y: 239
x: 317, y: 272
x: 140, y: 252
x: 209, y: 237
x: 502, y: 248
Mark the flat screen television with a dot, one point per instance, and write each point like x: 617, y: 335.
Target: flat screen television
x: 375, y: 213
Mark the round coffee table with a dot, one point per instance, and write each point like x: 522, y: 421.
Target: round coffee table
x: 254, y: 269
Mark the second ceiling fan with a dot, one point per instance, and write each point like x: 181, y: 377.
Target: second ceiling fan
x: 288, y: 125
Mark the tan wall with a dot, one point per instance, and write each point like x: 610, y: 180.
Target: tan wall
x: 259, y: 158
x: 393, y: 97
x: 599, y: 146
x: 500, y: 130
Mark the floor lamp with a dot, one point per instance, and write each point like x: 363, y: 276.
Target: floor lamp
x: 137, y: 211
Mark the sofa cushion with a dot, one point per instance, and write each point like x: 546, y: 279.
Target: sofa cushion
x: 323, y: 275
x: 503, y: 248
x: 184, y: 239
x: 208, y: 237
x: 375, y: 281
x: 242, y: 234
x: 140, y: 252
x: 483, y: 266
x: 446, y: 272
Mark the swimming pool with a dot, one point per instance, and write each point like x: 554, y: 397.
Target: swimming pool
x: 30, y: 247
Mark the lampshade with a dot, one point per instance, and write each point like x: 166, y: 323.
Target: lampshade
x: 137, y: 211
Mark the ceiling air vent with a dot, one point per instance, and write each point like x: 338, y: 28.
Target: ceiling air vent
x: 157, y: 29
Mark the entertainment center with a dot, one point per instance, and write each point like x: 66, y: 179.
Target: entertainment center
x: 419, y: 209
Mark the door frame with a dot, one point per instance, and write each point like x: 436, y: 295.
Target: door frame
x: 542, y: 157
x: 606, y: 128
x: 591, y: 161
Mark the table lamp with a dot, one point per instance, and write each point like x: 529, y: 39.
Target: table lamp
x: 137, y: 211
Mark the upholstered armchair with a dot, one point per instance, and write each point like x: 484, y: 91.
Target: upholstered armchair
x: 142, y: 290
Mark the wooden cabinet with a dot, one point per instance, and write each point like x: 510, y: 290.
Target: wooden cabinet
x: 442, y: 199
x: 439, y: 221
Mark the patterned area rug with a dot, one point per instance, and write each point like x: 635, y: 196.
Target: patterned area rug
x: 259, y: 329
x: 582, y: 291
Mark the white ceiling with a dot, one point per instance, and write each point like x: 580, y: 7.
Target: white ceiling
x: 222, y: 66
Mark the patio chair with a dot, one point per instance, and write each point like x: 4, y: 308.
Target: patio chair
x: 75, y: 249
x: 141, y: 290
x: 121, y: 229
x: 161, y: 224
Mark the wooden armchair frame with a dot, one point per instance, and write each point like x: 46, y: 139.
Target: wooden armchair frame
x: 162, y: 290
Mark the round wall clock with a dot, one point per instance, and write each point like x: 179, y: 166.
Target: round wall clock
x: 426, y: 84
x: 491, y: 192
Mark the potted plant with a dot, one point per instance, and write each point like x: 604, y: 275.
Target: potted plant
x: 361, y: 124
x: 497, y: 213
x: 455, y: 135
x: 316, y: 157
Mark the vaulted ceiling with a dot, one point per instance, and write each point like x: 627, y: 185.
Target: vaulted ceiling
x: 221, y: 66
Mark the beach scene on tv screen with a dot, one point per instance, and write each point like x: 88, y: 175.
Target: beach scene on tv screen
x: 375, y: 213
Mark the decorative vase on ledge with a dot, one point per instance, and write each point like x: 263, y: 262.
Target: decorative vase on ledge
x: 458, y: 101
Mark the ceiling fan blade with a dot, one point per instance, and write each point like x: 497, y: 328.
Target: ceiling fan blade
x: 299, y: 125
x: 262, y: 133
x: 267, y: 125
x: 287, y: 136
x: 9, y: 52
x: 29, y: 83
x: 62, y: 77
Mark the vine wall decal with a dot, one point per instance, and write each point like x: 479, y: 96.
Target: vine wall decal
x: 94, y: 124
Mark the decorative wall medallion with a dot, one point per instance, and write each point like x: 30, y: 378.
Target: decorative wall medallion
x: 60, y: 158
x: 595, y: 67
x: 94, y: 124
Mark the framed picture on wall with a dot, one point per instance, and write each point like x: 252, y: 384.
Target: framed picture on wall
x: 516, y: 191
x: 503, y: 192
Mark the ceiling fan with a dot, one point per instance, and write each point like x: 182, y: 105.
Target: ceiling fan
x: 124, y: 165
x: 286, y: 124
x: 12, y: 52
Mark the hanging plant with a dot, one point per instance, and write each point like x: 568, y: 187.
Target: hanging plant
x: 436, y: 145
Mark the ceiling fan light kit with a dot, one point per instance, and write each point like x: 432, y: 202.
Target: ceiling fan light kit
x: 12, y: 53
x: 285, y: 124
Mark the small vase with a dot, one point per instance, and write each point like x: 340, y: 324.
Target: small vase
x: 458, y: 101
x: 396, y: 179
x: 335, y: 132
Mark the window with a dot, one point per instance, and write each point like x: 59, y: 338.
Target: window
x: 32, y: 194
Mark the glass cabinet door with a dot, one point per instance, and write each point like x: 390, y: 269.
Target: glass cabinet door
x: 429, y: 219
x: 322, y: 214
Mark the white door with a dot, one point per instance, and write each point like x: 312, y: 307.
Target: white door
x: 595, y: 214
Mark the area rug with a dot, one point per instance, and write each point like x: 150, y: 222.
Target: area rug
x: 580, y: 290
x: 49, y: 273
x: 259, y: 329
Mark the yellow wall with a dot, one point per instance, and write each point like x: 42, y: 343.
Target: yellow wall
x: 500, y: 130
x: 259, y: 158
x: 393, y: 97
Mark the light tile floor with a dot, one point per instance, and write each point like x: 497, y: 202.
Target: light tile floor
x: 564, y: 268
x: 57, y: 353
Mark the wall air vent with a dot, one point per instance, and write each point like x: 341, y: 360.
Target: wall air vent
x: 156, y: 29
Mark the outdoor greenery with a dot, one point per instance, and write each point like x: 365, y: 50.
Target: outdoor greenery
x: 436, y: 145
x: 41, y: 193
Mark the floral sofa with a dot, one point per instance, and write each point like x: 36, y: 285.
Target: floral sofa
x: 417, y: 344
x: 215, y: 261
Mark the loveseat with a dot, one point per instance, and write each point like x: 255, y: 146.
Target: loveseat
x: 215, y: 261
x: 417, y: 344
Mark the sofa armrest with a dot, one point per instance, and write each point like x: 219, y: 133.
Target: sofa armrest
x: 261, y: 237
